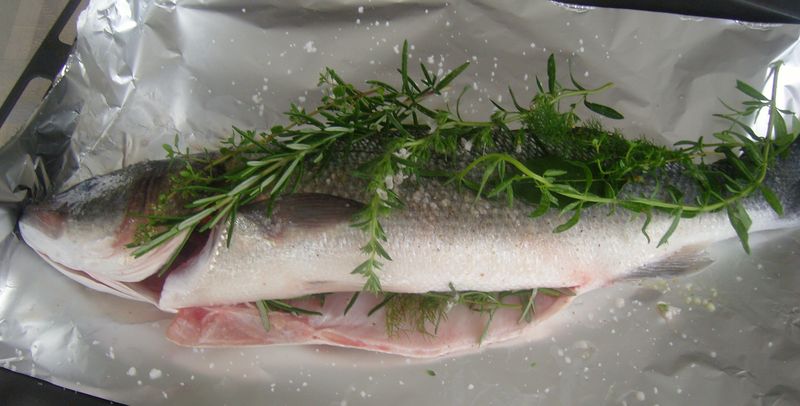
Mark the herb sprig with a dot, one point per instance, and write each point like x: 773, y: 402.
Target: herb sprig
x: 541, y: 153
x: 423, y: 312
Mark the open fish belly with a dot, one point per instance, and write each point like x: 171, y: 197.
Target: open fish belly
x: 460, y: 331
x: 304, y: 248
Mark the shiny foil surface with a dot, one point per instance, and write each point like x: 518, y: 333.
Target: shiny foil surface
x: 144, y: 71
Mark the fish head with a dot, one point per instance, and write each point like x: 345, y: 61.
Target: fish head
x: 88, y: 227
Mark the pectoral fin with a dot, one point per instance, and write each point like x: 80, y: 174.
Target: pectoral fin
x: 685, y: 261
x: 303, y: 212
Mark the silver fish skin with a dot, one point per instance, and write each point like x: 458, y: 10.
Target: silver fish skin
x: 442, y: 238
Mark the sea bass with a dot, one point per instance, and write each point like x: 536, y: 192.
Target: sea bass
x: 442, y: 240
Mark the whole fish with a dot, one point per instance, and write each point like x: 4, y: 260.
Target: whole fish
x: 442, y: 239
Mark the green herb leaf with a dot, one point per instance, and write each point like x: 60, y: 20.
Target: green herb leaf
x: 772, y: 199
x: 741, y: 222
x: 782, y: 136
x: 574, y: 82
x: 528, y: 309
x: 647, y: 220
x: 603, y: 110
x: 352, y: 301
x: 404, y: 67
x: 552, y: 173
x: 542, y: 207
x: 486, y: 327
x: 750, y: 91
x: 551, y: 74
x: 450, y: 76
x: 662, y: 308
x: 167, y: 265
x: 576, y: 215
x: 263, y: 312
x: 676, y: 218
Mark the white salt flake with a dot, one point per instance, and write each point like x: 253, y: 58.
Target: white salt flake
x: 466, y: 144
x: 131, y: 371
x: 309, y: 47
x: 403, y: 153
x: 155, y: 373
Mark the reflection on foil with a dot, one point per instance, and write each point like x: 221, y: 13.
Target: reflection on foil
x: 143, y: 71
x: 758, y: 26
x: 578, y: 8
